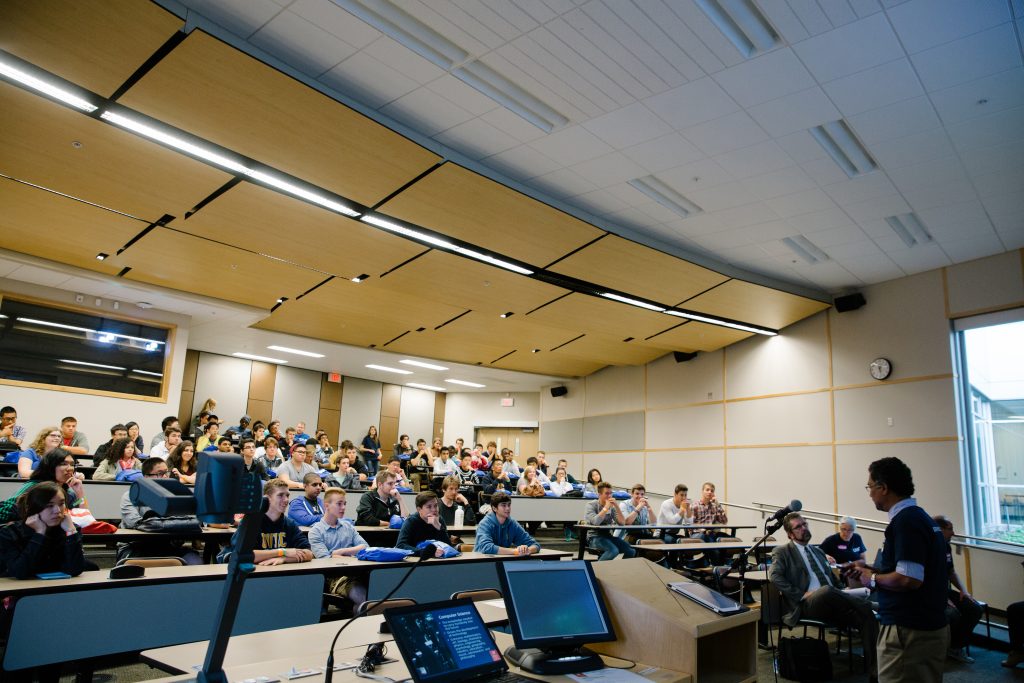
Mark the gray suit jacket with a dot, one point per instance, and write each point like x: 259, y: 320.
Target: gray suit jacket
x: 789, y: 574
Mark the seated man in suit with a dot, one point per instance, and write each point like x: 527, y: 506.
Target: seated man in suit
x: 801, y: 573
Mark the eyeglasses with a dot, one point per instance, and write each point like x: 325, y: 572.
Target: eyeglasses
x: 873, y: 486
x: 56, y: 434
x: 160, y: 473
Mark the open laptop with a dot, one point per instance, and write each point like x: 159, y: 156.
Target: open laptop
x: 447, y: 641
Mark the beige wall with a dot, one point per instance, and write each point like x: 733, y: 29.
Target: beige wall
x: 798, y: 416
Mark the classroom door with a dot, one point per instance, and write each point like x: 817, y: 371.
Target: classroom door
x: 523, y: 441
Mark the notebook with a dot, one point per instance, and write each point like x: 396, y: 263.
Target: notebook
x: 702, y: 595
x: 447, y: 641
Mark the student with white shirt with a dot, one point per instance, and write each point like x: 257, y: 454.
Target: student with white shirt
x: 172, y: 437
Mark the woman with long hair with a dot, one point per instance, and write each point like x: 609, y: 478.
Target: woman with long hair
x: 46, y: 440
x: 370, y: 449
x: 44, y: 539
x: 57, y: 466
x: 120, y: 457
x: 133, y: 434
x: 182, y: 462
x: 593, y: 479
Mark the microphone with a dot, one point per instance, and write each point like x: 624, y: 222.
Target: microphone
x: 794, y: 506
x: 424, y: 554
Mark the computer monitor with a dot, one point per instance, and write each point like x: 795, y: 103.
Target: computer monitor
x: 550, y: 634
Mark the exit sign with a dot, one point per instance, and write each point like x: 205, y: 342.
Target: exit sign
x: 334, y: 377
x: 508, y: 402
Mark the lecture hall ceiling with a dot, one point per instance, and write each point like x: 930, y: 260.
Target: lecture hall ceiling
x: 685, y: 113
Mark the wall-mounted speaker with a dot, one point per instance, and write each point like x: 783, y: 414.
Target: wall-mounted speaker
x: 559, y: 391
x: 682, y: 356
x: 849, y: 302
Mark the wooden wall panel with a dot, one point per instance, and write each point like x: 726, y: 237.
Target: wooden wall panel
x: 388, y: 437
x: 260, y: 410
x: 440, y: 402
x: 390, y: 410
x: 329, y: 421
x: 188, y: 388
x: 261, y: 381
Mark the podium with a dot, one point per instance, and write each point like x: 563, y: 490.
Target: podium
x: 661, y: 628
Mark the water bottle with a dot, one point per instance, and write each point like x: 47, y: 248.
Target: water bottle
x: 460, y: 516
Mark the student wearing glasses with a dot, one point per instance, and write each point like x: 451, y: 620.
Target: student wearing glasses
x: 46, y: 440
x: 291, y: 472
x: 57, y: 466
x: 145, y: 519
x: 309, y: 509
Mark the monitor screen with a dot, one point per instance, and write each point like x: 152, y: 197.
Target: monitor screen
x: 576, y: 617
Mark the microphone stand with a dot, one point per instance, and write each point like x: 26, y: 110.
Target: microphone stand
x: 739, y: 565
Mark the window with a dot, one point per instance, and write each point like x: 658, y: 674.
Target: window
x: 991, y: 356
x: 47, y: 345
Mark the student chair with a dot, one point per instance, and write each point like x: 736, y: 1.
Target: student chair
x: 155, y: 562
x: 371, y: 607
x: 478, y: 595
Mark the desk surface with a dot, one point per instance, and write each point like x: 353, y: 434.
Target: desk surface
x: 702, y: 547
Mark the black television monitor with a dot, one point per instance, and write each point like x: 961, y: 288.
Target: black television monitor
x: 550, y: 635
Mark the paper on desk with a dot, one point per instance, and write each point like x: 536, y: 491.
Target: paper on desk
x: 608, y: 675
x: 498, y: 602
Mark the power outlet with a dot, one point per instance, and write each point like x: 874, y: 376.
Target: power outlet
x: 79, y: 298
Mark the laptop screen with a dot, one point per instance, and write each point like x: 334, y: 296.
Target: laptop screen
x: 444, y: 641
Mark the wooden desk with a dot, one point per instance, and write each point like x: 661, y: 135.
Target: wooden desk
x: 585, y: 529
x: 685, y: 548
x: 211, y: 538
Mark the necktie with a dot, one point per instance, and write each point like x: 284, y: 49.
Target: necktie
x: 818, y: 572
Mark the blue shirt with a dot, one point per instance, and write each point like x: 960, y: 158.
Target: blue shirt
x: 491, y: 535
x: 305, y: 513
x: 913, y: 538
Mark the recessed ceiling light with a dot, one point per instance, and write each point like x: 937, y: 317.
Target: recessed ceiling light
x: 297, y: 352
x: 265, y: 359
x: 535, y: 351
x: 632, y: 302
x: 147, y: 372
x: 101, y: 256
x: 360, y: 278
x: 384, y: 368
x: 465, y: 383
x: 424, y: 386
x: 507, y: 315
x: 421, y: 364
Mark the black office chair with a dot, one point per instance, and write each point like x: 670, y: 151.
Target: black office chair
x: 772, y: 596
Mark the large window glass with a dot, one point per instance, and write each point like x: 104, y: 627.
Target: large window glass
x: 991, y: 351
x: 53, y: 346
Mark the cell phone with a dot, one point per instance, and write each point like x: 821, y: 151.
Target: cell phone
x: 53, y: 575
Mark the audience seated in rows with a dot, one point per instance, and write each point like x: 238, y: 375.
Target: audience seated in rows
x: 72, y: 440
x: 346, y: 476
x: 425, y: 524
x: 145, y: 519
x: 308, y: 509
x: 560, y: 485
x: 43, y: 539
x: 118, y: 431
x: 172, y: 437
x: 182, y: 462
x: 295, y: 468
x: 119, y: 462
x: 48, y: 439
x: 381, y: 504
x: 601, y: 512
x: 335, y: 536
x: 280, y: 540
x: 499, y: 534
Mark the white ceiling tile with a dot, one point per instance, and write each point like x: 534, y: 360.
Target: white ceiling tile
x: 895, y: 120
x: 609, y: 169
x: 852, y: 250
x: 920, y: 258
x: 657, y: 213
x: 696, y: 102
x: 536, y: 9
x: 860, y: 188
x: 999, y: 128
x: 627, y: 84
x: 875, y: 87
x: 476, y: 139
x: 458, y: 93
x: 801, y: 146
x: 824, y: 171
x: 524, y: 71
x: 939, y: 194
x: 1000, y: 182
x: 865, y: 8
x: 566, y: 63
x: 365, y: 79
x: 241, y: 17
x: 701, y: 60
x: 701, y: 25
x: 739, y: 255
x: 806, y: 201
x: 563, y: 183
x: 628, y: 126
x: 532, y: 53
x: 572, y: 145
x: 663, y: 153
x: 765, y: 77
x: 38, y: 276
x: 873, y: 269
x: 963, y: 102
x: 817, y: 221
x: 1006, y: 204
x: 725, y: 196
x: 300, y: 44
x: 513, y: 124
x: 833, y: 237
x: 893, y: 205
x: 660, y: 39
x: 522, y: 162
x: 755, y: 160
x: 839, y: 13
x: 1011, y: 231
x: 455, y: 25
x: 748, y: 214
x: 922, y: 24
x: 912, y: 149
x: 785, y: 181
x: 600, y: 202
x: 326, y: 15
x: 975, y: 247
x: 631, y: 217
x: 503, y: 18
x: 389, y: 51
x: 829, y: 275
x: 976, y: 56
x: 702, y: 173
x: 785, y: 21
x: 811, y: 16
x: 968, y: 214
x: 928, y: 173
x: 851, y: 48
x: 799, y: 111
x: 725, y: 134
x: 427, y: 111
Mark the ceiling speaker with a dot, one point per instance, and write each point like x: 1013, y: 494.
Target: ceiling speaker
x: 850, y: 302
x: 682, y: 356
x: 559, y: 391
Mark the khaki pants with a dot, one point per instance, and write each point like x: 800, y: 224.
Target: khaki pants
x: 911, y: 656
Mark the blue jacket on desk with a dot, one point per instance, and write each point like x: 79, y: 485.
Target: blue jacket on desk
x: 491, y: 535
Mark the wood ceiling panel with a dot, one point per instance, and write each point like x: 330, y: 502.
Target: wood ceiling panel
x: 96, y: 44
x: 467, y: 206
x: 469, y: 284
x: 694, y: 336
x: 48, y: 225
x: 608, y: 349
x: 172, y: 259
x: 358, y: 314
x: 582, y: 313
x: 223, y: 95
x: 288, y: 228
x: 639, y: 270
x: 755, y: 304
x: 549, y: 364
x: 112, y: 168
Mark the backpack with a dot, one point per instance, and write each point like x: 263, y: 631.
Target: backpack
x: 804, y: 659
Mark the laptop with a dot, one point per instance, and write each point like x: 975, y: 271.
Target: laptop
x: 447, y: 641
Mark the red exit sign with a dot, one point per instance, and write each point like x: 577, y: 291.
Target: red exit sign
x: 334, y: 377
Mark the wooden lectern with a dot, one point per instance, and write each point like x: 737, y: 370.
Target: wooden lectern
x: 661, y: 628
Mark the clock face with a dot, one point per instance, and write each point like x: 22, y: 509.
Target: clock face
x: 880, y: 368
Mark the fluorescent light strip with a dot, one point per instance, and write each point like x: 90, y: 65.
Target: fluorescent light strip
x: 465, y: 383
x: 908, y: 228
x: 16, y: 74
x: 722, y: 323
x: 481, y: 77
x: 402, y: 230
x: 407, y: 30
x: 836, y: 138
x: 61, y: 326
x: 384, y: 368
x: 91, y: 365
x: 147, y: 372
x: 805, y: 249
x: 421, y: 364
x: 293, y: 189
x: 493, y: 261
x: 265, y: 359
x: 742, y: 23
x: 424, y: 386
x: 297, y: 352
x: 666, y: 196
x: 633, y: 302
